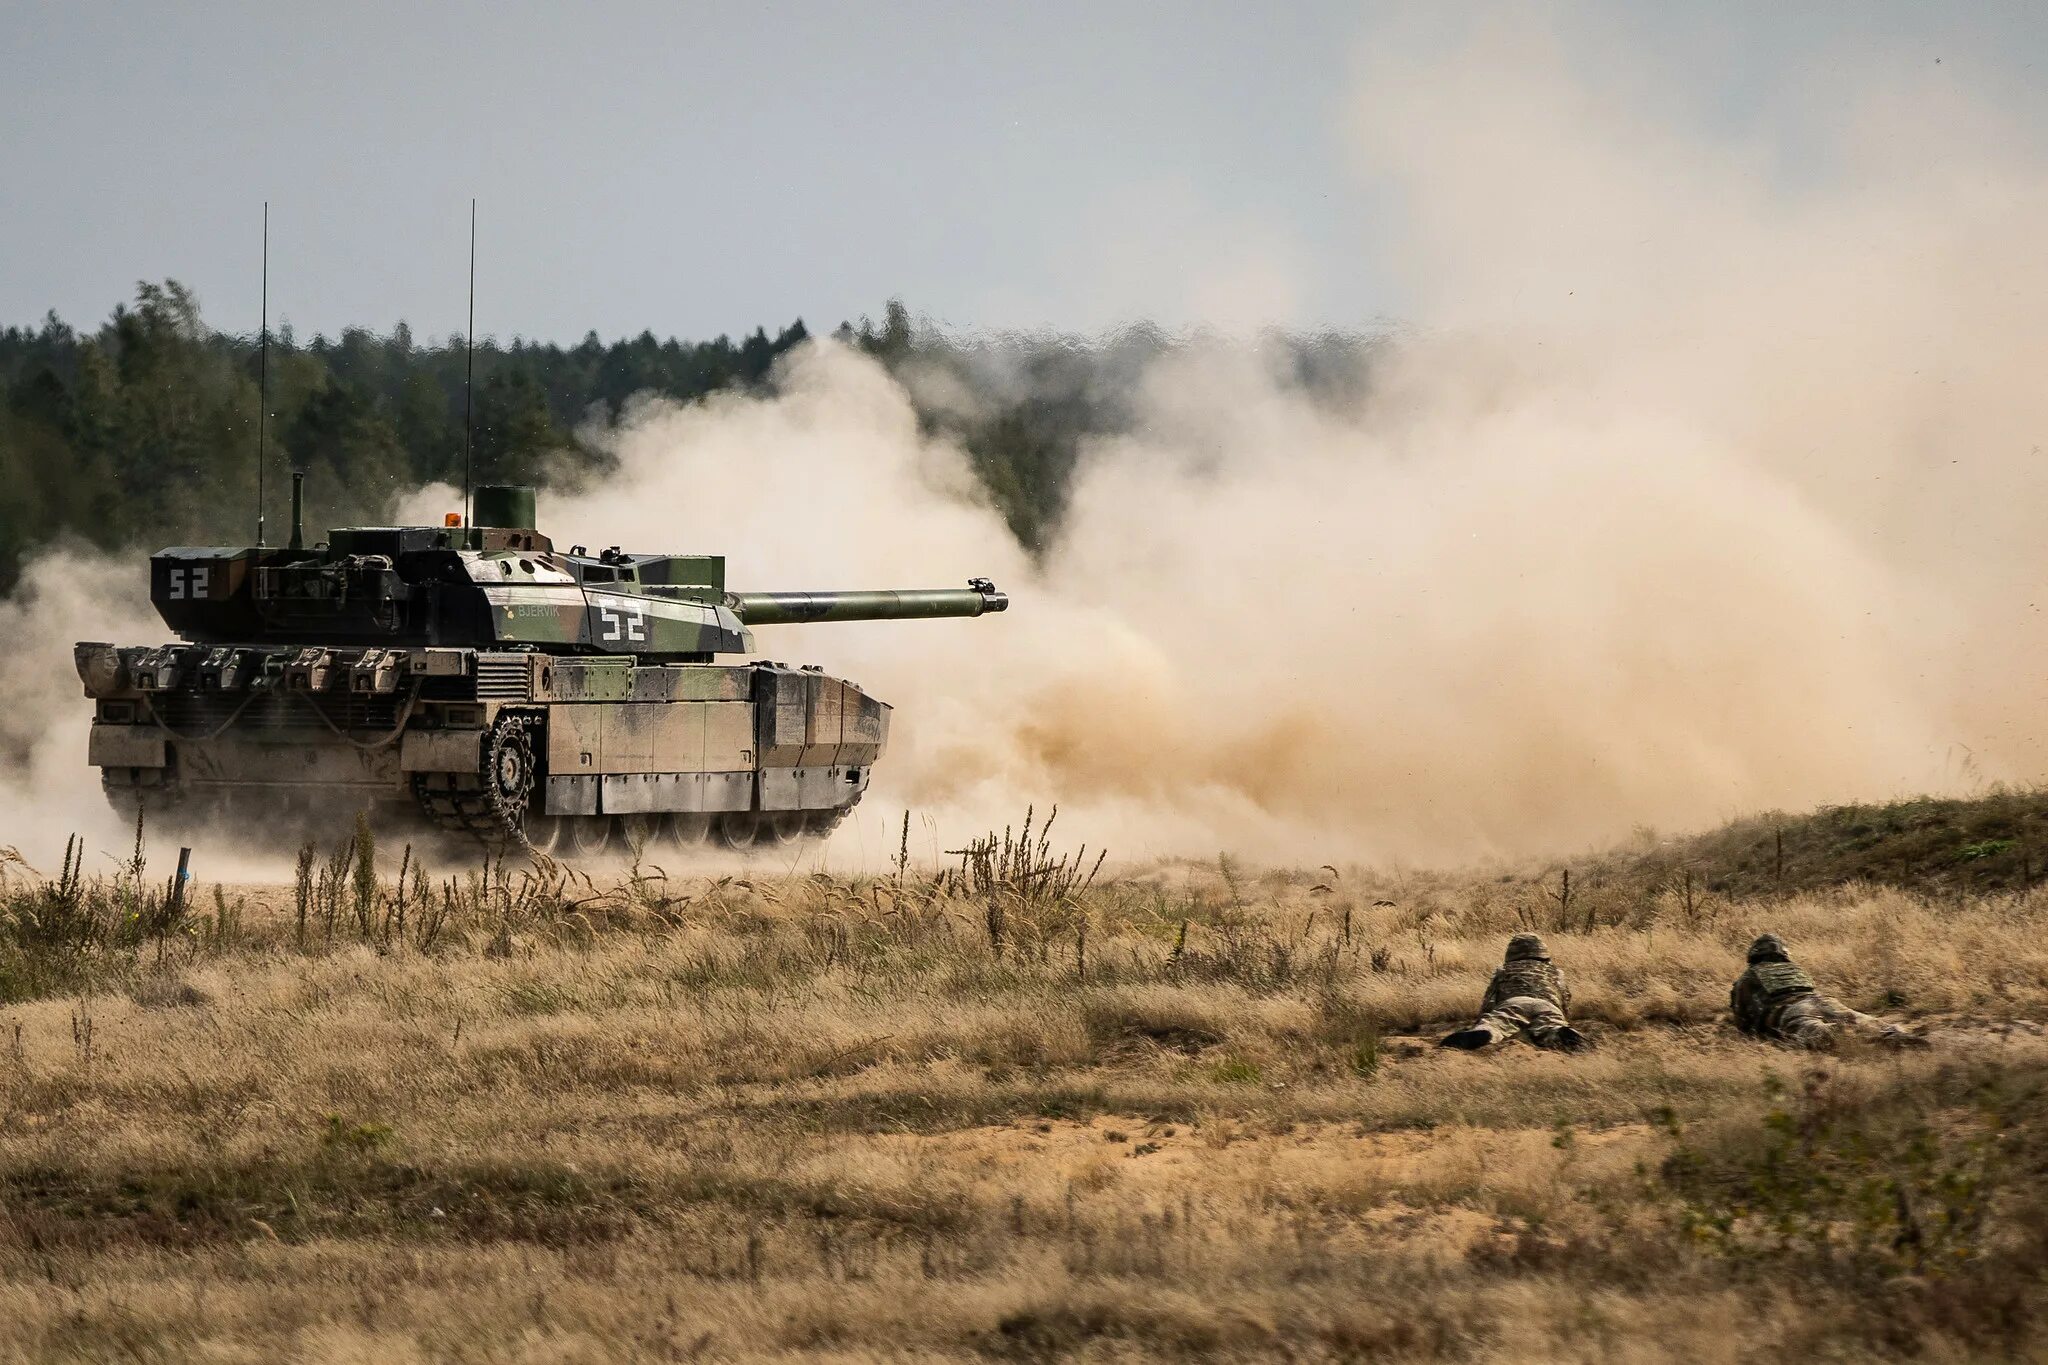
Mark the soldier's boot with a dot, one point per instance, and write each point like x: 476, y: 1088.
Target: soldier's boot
x: 1470, y: 1039
x: 1498, y: 1026
x: 1504, y: 1023
x: 1540, y: 1021
x: 1891, y: 1035
x: 1559, y: 1038
x: 1868, y: 1026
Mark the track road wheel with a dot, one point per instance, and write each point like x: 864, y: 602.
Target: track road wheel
x: 590, y: 835
x: 782, y: 827
x: 640, y: 834
x: 685, y: 830
x: 548, y: 834
x: 737, y: 828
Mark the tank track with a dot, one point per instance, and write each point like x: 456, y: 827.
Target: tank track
x: 468, y: 812
x: 489, y: 806
x: 821, y: 831
x: 157, y: 801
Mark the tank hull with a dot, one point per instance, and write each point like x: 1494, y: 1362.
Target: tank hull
x: 563, y: 753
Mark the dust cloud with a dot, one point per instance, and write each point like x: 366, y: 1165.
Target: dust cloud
x: 1435, y: 628
x: 1700, y: 484
x: 47, y: 793
x: 1702, y: 481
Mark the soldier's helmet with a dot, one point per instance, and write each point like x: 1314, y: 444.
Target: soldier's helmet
x: 1768, y: 948
x: 1527, y: 948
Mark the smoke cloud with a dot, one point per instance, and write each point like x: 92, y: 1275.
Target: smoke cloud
x: 1704, y: 481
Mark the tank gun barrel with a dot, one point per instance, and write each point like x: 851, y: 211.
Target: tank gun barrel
x: 788, y: 608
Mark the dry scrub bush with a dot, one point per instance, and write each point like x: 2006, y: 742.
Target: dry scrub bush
x: 1828, y: 1178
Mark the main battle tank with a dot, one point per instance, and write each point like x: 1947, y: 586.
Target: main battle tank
x: 505, y: 690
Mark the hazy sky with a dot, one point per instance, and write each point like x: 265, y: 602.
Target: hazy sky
x: 698, y: 168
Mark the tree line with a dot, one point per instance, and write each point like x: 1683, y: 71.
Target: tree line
x: 142, y: 431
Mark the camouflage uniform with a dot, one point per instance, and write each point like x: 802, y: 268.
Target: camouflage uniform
x: 1775, y: 999
x: 1526, y: 998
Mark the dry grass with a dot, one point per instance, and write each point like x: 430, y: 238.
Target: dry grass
x: 1189, y: 1111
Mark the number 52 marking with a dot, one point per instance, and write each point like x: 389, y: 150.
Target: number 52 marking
x: 622, y: 623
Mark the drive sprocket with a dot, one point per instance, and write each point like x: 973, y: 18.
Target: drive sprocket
x: 490, y: 805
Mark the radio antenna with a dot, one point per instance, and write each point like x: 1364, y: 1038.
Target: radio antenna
x: 263, y: 377
x: 469, y: 371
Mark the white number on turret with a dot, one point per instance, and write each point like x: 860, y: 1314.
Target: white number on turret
x: 188, y: 583
x: 623, y: 623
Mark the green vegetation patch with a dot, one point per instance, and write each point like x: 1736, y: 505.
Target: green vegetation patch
x: 1996, y: 842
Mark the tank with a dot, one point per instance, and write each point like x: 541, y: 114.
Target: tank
x: 480, y: 679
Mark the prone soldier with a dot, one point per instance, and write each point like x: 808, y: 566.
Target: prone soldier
x: 1774, y: 999
x: 1527, y: 998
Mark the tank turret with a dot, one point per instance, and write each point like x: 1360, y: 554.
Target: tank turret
x: 499, y: 583
x: 509, y: 689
